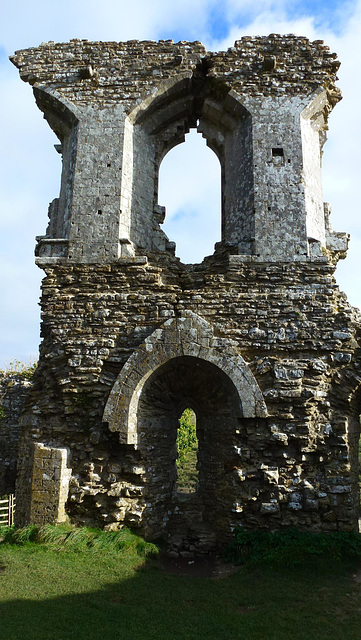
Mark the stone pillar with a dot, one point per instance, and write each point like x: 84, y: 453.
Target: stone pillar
x: 49, y: 485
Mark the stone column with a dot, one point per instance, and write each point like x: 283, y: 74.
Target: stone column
x: 49, y: 485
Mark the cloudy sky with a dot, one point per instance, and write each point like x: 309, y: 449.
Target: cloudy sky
x: 30, y: 167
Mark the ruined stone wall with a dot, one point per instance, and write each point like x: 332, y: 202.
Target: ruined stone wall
x: 257, y: 340
x: 293, y: 327
x: 120, y: 71
x: 118, y: 108
x: 13, y: 392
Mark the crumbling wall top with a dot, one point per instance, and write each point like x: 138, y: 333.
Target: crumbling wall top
x: 84, y: 71
x: 119, y: 107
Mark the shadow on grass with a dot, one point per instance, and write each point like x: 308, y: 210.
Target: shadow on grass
x: 150, y: 604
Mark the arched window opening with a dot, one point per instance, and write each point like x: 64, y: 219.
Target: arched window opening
x: 187, y: 453
x: 190, y: 189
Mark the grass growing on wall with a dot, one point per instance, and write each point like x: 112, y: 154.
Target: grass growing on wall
x: 24, y: 370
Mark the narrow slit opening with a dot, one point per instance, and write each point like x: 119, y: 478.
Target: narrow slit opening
x: 187, y: 453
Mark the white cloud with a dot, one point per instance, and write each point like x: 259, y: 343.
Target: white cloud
x: 275, y: 16
x: 106, y: 20
x: 341, y: 164
x: 19, y: 313
x: 190, y: 184
x: 29, y: 179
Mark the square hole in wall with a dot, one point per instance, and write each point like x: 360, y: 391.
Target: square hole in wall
x: 278, y: 155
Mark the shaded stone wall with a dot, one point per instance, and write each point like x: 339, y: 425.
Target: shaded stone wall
x: 13, y: 392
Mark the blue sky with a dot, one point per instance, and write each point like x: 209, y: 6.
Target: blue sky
x: 30, y: 168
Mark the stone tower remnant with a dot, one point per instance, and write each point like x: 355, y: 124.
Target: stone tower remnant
x: 257, y: 340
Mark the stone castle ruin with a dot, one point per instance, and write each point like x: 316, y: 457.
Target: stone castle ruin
x: 257, y: 339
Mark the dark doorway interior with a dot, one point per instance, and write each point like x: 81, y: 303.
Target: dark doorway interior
x: 181, y: 383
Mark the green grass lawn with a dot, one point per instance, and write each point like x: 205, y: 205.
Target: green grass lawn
x: 97, y: 594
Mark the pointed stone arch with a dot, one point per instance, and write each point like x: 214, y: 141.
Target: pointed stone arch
x: 160, y: 122
x: 189, y: 335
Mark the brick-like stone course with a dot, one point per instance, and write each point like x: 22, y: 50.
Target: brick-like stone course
x: 296, y: 330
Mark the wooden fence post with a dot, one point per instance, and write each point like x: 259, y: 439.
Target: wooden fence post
x: 11, y: 509
x: 7, y: 510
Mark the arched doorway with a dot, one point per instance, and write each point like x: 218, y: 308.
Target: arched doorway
x: 201, y: 517
x: 181, y: 364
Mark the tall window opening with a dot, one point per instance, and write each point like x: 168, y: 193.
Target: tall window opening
x: 190, y: 189
x: 187, y: 452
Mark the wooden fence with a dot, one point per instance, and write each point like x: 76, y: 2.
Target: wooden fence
x: 7, y: 510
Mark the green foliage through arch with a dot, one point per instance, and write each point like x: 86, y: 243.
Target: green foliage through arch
x: 187, y: 448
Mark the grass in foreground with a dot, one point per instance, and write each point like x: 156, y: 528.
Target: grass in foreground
x: 66, y: 537
x: 58, y: 589
x: 292, y: 548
